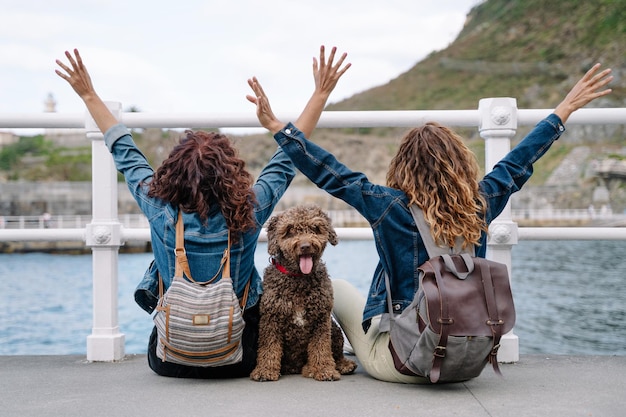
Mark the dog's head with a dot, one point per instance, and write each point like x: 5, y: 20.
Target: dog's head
x: 297, y: 237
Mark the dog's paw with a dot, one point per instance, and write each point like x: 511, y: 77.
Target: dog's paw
x: 329, y: 375
x: 346, y: 366
x: 324, y: 374
x: 262, y: 375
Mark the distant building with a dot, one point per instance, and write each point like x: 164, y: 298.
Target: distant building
x: 63, y: 137
x: 7, y: 138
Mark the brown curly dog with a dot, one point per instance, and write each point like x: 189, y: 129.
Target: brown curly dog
x: 296, y: 331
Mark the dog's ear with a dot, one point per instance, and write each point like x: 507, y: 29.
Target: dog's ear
x: 272, y: 242
x: 332, y: 235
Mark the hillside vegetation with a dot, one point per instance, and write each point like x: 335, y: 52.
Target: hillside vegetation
x: 532, y: 50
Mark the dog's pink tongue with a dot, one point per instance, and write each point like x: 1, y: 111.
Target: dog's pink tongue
x: 306, y: 264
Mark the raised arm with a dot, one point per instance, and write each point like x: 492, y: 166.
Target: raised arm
x: 585, y: 91
x: 79, y: 79
x: 325, y: 73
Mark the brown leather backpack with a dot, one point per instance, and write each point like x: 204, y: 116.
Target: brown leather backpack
x: 453, y: 327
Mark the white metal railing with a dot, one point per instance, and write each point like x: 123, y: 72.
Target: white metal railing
x: 604, y: 214
x: 65, y: 221
x: 339, y: 218
x: 497, y: 120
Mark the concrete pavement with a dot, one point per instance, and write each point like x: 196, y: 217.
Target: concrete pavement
x: 537, y: 385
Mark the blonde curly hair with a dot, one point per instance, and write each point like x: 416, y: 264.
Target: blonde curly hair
x: 439, y: 173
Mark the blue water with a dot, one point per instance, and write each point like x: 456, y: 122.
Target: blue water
x: 570, y: 297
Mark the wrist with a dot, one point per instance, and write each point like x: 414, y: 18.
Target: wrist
x: 275, y: 126
x: 563, y: 110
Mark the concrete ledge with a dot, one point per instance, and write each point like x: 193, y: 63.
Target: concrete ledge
x: 535, y: 386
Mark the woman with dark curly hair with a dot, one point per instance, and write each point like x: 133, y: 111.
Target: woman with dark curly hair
x: 205, y: 177
x: 224, y: 179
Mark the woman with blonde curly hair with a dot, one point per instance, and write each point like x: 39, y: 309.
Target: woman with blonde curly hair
x: 205, y: 179
x: 436, y: 171
x: 440, y: 174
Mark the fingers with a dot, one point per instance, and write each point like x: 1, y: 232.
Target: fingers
x: 256, y: 86
x: 594, y: 82
x: 65, y: 68
x: 326, y: 67
x: 260, y: 99
x: 76, y: 65
x: 79, y: 60
x: 348, y: 65
x: 343, y: 57
x: 60, y: 74
x: 71, y: 59
x: 331, y: 58
x: 601, y: 78
x: 322, y: 58
x: 259, y: 90
x: 588, y: 88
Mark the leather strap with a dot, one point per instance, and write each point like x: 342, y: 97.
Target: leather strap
x: 182, y: 263
x: 494, y: 322
x: 444, y: 319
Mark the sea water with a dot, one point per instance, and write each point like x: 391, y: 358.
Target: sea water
x: 570, y: 297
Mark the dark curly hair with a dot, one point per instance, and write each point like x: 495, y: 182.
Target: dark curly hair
x: 202, y: 170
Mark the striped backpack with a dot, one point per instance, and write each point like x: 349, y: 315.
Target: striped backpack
x: 199, y: 323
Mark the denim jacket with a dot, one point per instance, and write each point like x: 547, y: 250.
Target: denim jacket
x: 398, y: 242
x: 205, y: 241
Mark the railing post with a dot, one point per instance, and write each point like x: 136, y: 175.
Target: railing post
x: 103, y: 235
x: 498, y: 124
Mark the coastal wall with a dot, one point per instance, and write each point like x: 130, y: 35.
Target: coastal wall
x: 23, y: 198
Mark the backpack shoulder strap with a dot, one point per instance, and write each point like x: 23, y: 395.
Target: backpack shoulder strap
x: 431, y: 247
x: 182, y: 264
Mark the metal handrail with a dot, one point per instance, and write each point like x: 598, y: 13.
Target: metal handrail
x: 497, y: 120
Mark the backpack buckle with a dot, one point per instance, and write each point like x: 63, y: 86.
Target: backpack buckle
x: 440, y: 351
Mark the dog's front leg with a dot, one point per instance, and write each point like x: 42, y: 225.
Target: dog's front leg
x: 320, y: 364
x: 270, y: 351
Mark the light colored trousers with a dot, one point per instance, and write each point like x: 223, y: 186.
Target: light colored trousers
x: 371, y: 348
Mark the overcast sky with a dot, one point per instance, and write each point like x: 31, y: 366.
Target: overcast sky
x: 195, y: 56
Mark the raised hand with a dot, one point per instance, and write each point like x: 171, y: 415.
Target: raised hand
x: 77, y: 76
x: 326, y: 76
x: 585, y: 91
x: 79, y: 79
x: 325, y: 73
x: 263, y: 109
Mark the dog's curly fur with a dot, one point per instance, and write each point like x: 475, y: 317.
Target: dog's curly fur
x: 296, y: 331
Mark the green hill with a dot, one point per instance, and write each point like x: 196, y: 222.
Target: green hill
x: 532, y: 50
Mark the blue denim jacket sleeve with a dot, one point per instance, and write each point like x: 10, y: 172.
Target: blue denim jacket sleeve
x: 272, y: 184
x: 147, y: 292
x: 132, y: 163
x: 321, y: 167
x: 511, y: 172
